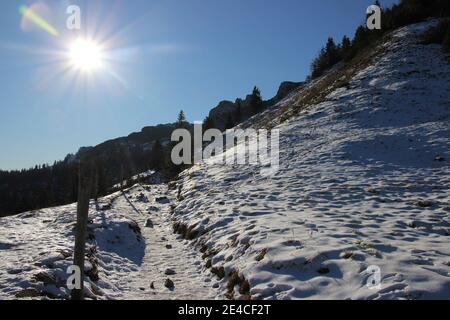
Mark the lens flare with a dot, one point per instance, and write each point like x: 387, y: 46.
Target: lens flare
x: 32, y: 16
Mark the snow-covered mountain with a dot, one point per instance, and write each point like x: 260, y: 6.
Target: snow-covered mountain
x: 364, y: 182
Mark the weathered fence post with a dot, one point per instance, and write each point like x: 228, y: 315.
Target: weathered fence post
x: 84, y: 192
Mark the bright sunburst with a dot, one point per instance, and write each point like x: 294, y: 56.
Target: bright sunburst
x: 85, y: 55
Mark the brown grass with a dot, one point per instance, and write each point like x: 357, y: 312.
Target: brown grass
x: 234, y: 279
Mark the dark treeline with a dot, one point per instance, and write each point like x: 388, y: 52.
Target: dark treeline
x: 406, y: 12
x: 110, y: 163
x: 47, y: 186
x: 39, y: 187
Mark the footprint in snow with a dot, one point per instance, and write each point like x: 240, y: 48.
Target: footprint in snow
x: 169, y: 272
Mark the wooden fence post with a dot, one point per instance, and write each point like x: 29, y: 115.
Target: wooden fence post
x: 84, y: 192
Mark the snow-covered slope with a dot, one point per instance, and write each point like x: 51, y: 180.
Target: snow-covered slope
x: 364, y: 181
x: 131, y: 253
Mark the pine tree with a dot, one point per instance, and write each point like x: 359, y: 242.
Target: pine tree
x: 256, y: 100
x: 328, y: 57
x: 181, y: 120
x: 346, y: 49
x: 332, y: 52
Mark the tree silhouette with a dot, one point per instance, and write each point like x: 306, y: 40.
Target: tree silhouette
x: 328, y: 57
x: 181, y: 120
x: 256, y: 100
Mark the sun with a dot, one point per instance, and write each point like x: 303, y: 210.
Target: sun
x: 85, y: 55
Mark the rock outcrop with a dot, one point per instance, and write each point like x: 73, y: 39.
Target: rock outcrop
x: 241, y: 109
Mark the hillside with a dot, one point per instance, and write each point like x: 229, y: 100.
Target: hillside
x: 364, y: 181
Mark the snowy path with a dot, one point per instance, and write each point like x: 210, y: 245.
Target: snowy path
x: 36, y: 248
x: 163, y: 252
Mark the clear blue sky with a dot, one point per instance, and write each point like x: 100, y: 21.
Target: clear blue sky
x: 165, y: 55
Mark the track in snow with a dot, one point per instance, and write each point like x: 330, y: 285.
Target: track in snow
x: 163, y: 251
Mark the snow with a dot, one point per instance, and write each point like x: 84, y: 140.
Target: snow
x: 364, y: 181
x: 163, y: 252
x: 128, y: 255
x: 356, y: 173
